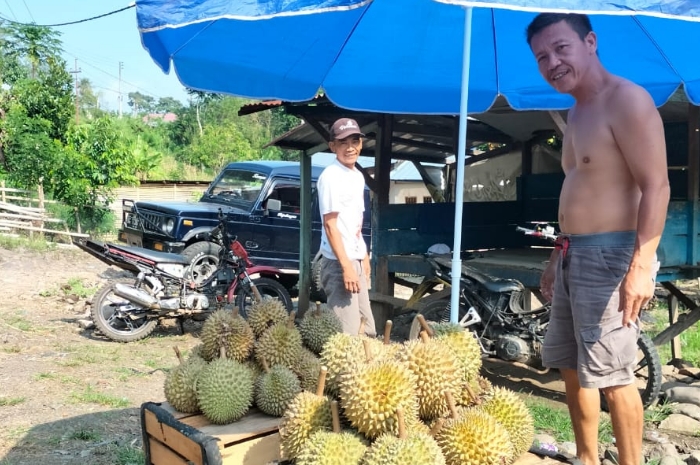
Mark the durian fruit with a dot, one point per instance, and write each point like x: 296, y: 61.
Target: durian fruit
x: 255, y: 369
x: 317, y: 326
x: 279, y: 345
x: 307, y: 413
x: 406, y: 449
x: 229, y: 330
x: 225, y: 390
x: 372, y: 392
x: 265, y: 313
x: 180, y: 384
x: 307, y: 367
x: 475, y: 437
x: 437, y: 371
x: 341, y: 354
x: 463, y: 344
x: 473, y: 391
x: 197, y: 352
x: 335, y: 447
x: 511, y: 412
x: 275, y: 389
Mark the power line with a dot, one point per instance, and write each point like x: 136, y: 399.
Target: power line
x: 132, y: 5
x: 10, y: 8
x: 30, y: 13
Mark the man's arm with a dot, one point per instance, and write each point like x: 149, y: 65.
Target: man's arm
x: 330, y: 224
x: 638, y: 131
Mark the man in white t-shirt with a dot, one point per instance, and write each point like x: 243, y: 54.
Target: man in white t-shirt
x: 345, y: 260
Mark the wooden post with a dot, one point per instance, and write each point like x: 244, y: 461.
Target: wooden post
x: 672, y: 318
x: 305, y: 235
x: 381, y: 282
x: 2, y: 188
x: 40, y: 193
x: 693, y: 181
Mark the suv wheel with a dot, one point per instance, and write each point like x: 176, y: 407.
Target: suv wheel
x: 203, y: 258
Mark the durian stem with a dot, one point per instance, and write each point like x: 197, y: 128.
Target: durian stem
x: 222, y: 351
x: 424, y: 324
x: 472, y: 394
x: 264, y: 364
x: 402, y: 423
x: 368, y: 350
x: 437, y: 427
x: 424, y: 336
x: 235, y: 311
x: 363, y: 322
x: 387, y: 331
x: 336, y: 416
x: 451, y: 404
x: 318, y: 308
x: 321, y: 381
x: 178, y: 354
x: 290, y: 321
x: 256, y: 292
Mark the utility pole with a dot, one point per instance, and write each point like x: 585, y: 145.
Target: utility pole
x: 76, y: 71
x: 121, y: 66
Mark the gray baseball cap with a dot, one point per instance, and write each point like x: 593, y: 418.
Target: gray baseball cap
x: 345, y: 127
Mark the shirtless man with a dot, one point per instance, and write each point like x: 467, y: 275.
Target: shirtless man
x: 612, y: 210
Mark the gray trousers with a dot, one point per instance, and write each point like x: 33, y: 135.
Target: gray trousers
x: 349, y: 307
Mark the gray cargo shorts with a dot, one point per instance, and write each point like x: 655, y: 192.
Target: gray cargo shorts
x: 585, y: 331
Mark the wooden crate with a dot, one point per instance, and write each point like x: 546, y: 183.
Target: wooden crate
x: 174, y: 438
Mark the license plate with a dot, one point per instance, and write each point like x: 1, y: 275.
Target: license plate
x: 132, y: 239
x: 158, y: 246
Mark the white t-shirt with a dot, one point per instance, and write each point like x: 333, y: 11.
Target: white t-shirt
x: 341, y: 189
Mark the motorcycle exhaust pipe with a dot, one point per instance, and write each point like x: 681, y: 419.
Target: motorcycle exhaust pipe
x: 137, y: 296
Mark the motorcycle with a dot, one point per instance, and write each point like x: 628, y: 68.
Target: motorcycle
x: 494, y: 310
x: 168, y: 286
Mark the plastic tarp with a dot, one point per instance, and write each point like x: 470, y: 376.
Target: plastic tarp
x: 405, y: 56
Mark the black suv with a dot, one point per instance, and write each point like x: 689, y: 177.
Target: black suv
x: 262, y: 199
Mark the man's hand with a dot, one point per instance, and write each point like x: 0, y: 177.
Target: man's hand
x: 547, y: 282
x: 635, y: 291
x: 366, y: 268
x: 351, y: 279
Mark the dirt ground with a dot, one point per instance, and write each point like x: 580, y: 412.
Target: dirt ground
x: 71, y: 396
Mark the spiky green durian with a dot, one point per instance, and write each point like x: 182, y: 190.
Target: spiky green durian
x: 341, y: 353
x: 463, y: 344
x: 279, y: 345
x: 511, y: 412
x: 275, y: 389
x: 307, y: 367
x: 415, y: 449
x: 197, y: 352
x: 225, y: 390
x: 473, y: 391
x: 266, y: 313
x: 437, y: 372
x: 180, y: 385
x: 329, y: 448
x: 318, y: 326
x: 474, y: 437
x: 371, y: 393
x: 228, y: 330
x: 305, y: 414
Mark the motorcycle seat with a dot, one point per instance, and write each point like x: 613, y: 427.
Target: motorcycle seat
x: 154, y: 255
x: 492, y: 283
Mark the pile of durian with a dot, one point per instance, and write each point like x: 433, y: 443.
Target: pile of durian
x: 264, y: 361
x: 351, y: 399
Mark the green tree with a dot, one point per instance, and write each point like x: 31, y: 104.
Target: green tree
x: 88, y: 101
x: 140, y: 103
x: 167, y: 105
x: 35, y: 44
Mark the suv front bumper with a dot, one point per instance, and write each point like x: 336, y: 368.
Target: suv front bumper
x: 136, y: 238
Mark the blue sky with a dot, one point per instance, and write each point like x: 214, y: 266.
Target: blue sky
x: 100, y: 45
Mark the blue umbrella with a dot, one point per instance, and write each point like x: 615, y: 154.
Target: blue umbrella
x: 410, y: 56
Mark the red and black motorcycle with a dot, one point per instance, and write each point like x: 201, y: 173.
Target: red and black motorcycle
x: 167, y: 286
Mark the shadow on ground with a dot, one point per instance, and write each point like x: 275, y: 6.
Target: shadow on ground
x: 106, y: 438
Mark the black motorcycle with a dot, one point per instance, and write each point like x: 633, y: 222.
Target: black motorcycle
x: 494, y: 310
x: 167, y: 285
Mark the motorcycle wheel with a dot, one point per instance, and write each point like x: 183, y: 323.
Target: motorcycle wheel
x: 203, y: 258
x: 435, y: 312
x: 647, y: 372
x: 103, y: 313
x: 266, y: 286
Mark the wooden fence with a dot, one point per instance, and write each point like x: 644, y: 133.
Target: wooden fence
x: 25, y: 210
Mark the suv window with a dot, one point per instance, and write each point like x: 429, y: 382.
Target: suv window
x: 238, y: 186
x: 288, y: 193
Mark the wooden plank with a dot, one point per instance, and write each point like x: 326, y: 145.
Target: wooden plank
x: 174, y: 439
x: 673, y: 318
x: 161, y: 455
x: 258, y: 451
x: 253, y: 424
x: 174, y: 413
x: 558, y: 122
x: 31, y: 228
x: 17, y: 209
x: 305, y: 236
x: 15, y: 216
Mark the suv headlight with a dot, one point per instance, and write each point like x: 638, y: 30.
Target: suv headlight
x: 168, y: 226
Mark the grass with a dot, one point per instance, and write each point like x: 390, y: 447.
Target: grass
x: 10, y: 401
x: 555, y: 421
x: 83, y: 434
x: 657, y: 321
x: 128, y: 455
x: 74, y: 286
x: 90, y: 396
x: 18, y: 322
x: 36, y: 244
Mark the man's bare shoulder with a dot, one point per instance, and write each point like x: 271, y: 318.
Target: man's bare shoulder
x: 627, y: 98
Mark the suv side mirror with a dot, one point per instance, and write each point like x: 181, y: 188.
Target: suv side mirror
x: 274, y: 205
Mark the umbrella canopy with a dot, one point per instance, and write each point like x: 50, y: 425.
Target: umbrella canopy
x: 405, y: 57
